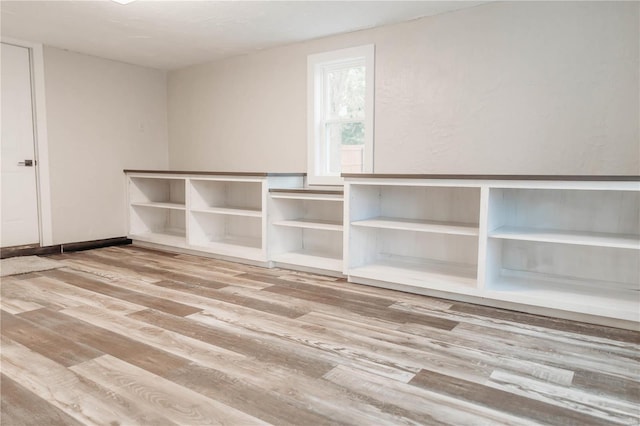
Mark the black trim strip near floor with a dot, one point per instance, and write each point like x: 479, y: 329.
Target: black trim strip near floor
x: 36, y: 250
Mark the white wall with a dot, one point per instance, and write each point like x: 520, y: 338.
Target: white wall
x: 102, y: 116
x: 512, y: 87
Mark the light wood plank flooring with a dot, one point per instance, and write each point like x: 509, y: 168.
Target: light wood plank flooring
x: 131, y: 336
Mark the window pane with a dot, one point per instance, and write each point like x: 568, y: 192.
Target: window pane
x: 346, y: 92
x: 344, y: 147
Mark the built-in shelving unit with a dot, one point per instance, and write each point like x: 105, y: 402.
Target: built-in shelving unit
x: 221, y: 214
x: 567, y: 244
x: 306, y: 229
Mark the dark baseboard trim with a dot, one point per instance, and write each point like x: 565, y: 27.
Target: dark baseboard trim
x: 36, y: 250
x: 30, y: 250
x: 88, y: 245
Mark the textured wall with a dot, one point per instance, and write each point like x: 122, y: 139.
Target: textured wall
x: 102, y: 116
x: 510, y: 87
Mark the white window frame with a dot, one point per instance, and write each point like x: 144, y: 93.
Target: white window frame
x: 317, y: 65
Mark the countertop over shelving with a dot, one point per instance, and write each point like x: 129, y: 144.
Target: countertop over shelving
x: 621, y: 178
x: 209, y: 173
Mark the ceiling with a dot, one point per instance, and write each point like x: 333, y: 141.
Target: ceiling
x: 174, y: 34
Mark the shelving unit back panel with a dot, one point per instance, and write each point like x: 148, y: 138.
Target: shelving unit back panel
x: 595, y: 211
x: 314, y: 240
x: 284, y: 240
x: 155, y: 190
x: 586, y: 266
x: 229, y: 194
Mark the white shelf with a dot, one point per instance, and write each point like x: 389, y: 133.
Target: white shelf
x: 311, y: 197
x: 423, y: 273
x: 232, y: 211
x: 567, y: 237
x: 594, y: 298
x: 169, y: 237
x: 161, y: 205
x: 234, y: 240
x: 326, y: 225
x: 311, y: 259
x: 453, y: 228
x: 234, y: 246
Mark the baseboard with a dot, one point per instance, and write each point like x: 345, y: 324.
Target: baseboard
x: 88, y: 245
x: 29, y: 250
x: 37, y: 250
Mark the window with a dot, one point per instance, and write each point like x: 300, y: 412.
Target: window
x: 340, y: 114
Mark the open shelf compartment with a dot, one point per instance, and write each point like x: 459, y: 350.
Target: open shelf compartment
x: 432, y: 209
x: 579, y: 278
x: 306, y: 212
x: 445, y: 262
x: 240, y: 198
x: 308, y: 247
x: 157, y: 225
x: 417, y: 272
x: 157, y: 192
x: 415, y: 235
x: 238, y: 236
x: 566, y: 216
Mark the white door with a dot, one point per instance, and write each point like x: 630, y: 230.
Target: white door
x: 20, y: 224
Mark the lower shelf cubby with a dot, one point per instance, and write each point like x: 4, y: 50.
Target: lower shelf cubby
x: 442, y: 262
x: 165, y: 226
x: 319, y: 249
x: 592, y: 280
x: 236, y: 236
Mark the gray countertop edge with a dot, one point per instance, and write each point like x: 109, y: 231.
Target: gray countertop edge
x: 620, y: 178
x: 209, y: 173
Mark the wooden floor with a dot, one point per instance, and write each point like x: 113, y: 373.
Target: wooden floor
x: 131, y: 336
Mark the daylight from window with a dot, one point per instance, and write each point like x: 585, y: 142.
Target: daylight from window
x: 340, y: 114
x: 344, y: 125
